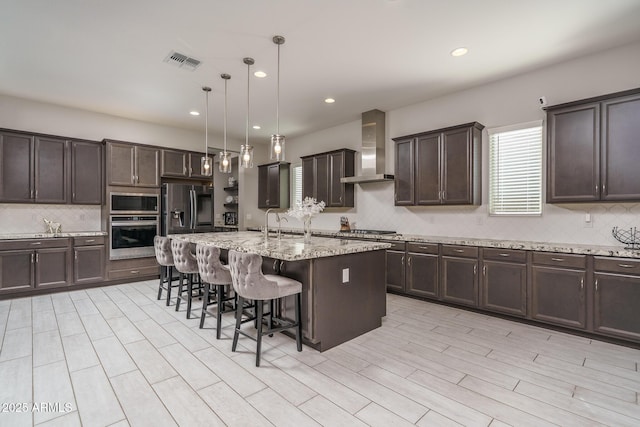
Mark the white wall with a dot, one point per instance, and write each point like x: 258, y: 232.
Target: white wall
x: 505, y: 102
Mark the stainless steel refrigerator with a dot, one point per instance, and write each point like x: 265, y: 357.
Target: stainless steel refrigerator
x: 186, y: 209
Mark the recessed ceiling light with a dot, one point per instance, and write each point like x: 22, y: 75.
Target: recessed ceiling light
x: 256, y: 127
x: 194, y: 113
x: 459, y: 51
x: 329, y: 100
x: 260, y: 74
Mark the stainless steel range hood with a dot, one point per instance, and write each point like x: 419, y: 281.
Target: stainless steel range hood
x: 372, y: 150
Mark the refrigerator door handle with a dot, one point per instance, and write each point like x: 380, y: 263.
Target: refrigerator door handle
x: 194, y: 208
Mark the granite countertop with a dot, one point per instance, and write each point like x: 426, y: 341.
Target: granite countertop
x: 569, y: 248
x: 288, y: 248
x: 17, y: 236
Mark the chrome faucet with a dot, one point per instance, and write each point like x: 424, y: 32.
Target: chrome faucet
x: 280, y: 219
x: 266, y: 221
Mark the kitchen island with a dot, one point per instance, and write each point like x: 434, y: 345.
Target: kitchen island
x: 343, y: 281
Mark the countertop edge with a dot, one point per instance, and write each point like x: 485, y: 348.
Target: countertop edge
x: 23, y: 236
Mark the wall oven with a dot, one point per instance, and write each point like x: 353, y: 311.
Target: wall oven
x: 132, y: 235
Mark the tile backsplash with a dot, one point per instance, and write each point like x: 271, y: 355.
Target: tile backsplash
x: 28, y: 218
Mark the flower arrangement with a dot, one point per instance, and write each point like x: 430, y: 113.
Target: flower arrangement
x: 306, y: 210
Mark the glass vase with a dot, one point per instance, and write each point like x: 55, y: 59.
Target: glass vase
x: 307, y: 229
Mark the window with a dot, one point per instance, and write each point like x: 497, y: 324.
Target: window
x: 296, y: 185
x: 515, y: 170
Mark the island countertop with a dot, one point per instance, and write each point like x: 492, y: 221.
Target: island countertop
x: 287, y: 248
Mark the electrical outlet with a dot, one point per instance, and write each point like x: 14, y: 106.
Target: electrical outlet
x: 345, y: 275
x: 588, y: 220
x: 249, y: 217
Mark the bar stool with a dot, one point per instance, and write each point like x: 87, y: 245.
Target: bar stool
x: 185, y: 262
x: 164, y: 257
x: 213, y: 273
x: 249, y: 283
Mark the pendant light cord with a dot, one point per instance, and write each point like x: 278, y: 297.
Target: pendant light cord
x: 247, y: 130
x: 206, y: 125
x: 225, y: 115
x: 278, y: 96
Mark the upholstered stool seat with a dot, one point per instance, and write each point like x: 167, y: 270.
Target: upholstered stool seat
x: 214, y: 273
x: 185, y: 262
x: 164, y: 257
x: 250, y: 283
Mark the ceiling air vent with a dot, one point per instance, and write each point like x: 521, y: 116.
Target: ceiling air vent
x: 182, y: 61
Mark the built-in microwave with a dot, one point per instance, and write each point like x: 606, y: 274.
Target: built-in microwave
x: 135, y: 203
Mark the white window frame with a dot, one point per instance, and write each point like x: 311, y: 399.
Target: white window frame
x: 504, y: 129
x: 296, y: 186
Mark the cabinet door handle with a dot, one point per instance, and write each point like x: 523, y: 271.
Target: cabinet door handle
x: 184, y: 170
x: 459, y: 251
x: 596, y: 285
x: 267, y: 201
x: 409, y: 261
x: 604, y: 186
x: 90, y: 240
x: 32, y: 258
x: 275, y: 265
x: 626, y: 265
x: 37, y: 257
x: 281, y: 266
x: 36, y: 243
x: 484, y: 270
x: 475, y: 269
x: 190, y: 171
x: 504, y: 255
x: 76, y: 254
x: 135, y: 271
x: 402, y: 260
x: 557, y: 259
x: 581, y: 283
x: 596, y: 188
x: 424, y: 247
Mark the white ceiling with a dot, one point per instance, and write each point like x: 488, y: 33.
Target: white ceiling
x: 107, y: 56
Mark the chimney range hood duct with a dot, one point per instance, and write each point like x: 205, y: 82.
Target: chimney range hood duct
x: 372, y: 150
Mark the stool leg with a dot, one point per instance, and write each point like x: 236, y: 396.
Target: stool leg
x: 169, y: 284
x: 162, y: 274
x: 299, y: 326
x: 189, y: 294
x: 181, y: 279
x: 238, y: 322
x: 219, y: 314
x: 259, y: 308
x: 204, y: 305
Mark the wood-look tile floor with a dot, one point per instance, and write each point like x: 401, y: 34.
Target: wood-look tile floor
x: 116, y: 356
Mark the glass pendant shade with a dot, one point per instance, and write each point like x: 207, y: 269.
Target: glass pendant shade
x: 246, y: 156
x: 277, y: 147
x: 225, y: 162
x: 206, y: 167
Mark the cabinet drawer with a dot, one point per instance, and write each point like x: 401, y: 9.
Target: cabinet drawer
x: 89, y: 241
x: 134, y: 273
x: 560, y: 260
x: 508, y: 255
x: 461, y: 251
x: 616, y: 265
x: 396, y: 245
x: 423, y: 248
x: 34, y: 243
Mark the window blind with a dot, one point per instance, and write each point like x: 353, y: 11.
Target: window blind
x: 515, y: 172
x: 297, y: 185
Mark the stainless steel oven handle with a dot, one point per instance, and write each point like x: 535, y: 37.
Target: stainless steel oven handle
x: 129, y: 223
x: 194, y: 208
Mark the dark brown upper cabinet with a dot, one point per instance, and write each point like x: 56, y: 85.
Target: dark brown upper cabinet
x: 321, y: 174
x: 87, y: 166
x: 440, y: 167
x: 181, y: 164
x: 593, y: 149
x: 132, y: 165
x: 273, y: 186
x: 34, y: 168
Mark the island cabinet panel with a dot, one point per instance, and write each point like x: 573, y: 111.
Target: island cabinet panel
x: 422, y: 270
x: 558, y: 289
x: 321, y: 174
x: 503, y: 287
x: 273, y: 186
x: 459, y: 280
x: 617, y: 297
x: 439, y: 167
x: 87, y: 166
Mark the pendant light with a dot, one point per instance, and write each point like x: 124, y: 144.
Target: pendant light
x: 246, y: 150
x: 225, y: 157
x: 277, y: 140
x: 206, y: 168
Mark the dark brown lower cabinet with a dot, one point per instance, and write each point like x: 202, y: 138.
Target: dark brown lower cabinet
x: 23, y: 268
x: 558, y: 292
x: 459, y: 278
x: 617, y: 297
x: 422, y: 270
x: 395, y: 271
x: 88, y: 264
x: 503, y: 287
